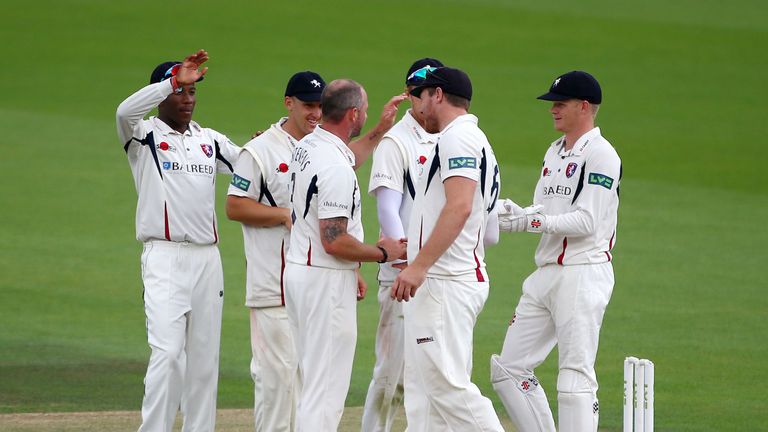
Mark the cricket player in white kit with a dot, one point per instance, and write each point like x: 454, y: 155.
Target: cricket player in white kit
x: 174, y: 163
x: 398, y: 163
x: 322, y: 274
x: 564, y: 300
x: 259, y: 197
x: 446, y: 263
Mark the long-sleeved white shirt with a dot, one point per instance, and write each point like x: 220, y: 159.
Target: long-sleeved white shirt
x: 579, y: 190
x: 174, y: 173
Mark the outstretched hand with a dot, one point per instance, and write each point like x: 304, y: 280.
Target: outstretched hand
x: 189, y: 71
x: 389, y: 112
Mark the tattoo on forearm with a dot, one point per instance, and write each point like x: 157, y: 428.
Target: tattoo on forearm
x: 333, y: 228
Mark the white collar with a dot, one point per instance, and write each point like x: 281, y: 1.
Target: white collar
x: 580, y: 145
x: 423, y: 136
x: 336, y: 141
x: 284, y: 133
x: 460, y: 119
x: 194, y: 129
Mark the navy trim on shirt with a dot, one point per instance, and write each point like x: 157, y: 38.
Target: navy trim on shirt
x: 221, y: 158
x: 433, y: 168
x: 311, y: 190
x: 148, y: 141
x: 581, y: 184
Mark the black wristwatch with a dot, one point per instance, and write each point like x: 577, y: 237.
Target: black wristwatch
x: 383, y: 251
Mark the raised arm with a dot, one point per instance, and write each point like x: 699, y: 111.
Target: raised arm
x: 363, y: 147
x: 132, y: 110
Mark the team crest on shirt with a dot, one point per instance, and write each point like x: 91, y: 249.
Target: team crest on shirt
x: 571, y: 169
x: 546, y: 172
x: 207, y: 149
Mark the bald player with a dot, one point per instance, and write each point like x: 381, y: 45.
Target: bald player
x: 575, y: 211
x: 322, y: 273
x: 174, y: 162
x: 452, y: 204
x: 398, y: 162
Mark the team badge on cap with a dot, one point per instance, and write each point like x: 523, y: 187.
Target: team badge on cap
x: 207, y: 149
x: 571, y: 169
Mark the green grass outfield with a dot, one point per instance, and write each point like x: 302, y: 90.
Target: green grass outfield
x: 684, y: 105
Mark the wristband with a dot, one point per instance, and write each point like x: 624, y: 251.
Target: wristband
x: 383, y: 251
x: 175, y: 85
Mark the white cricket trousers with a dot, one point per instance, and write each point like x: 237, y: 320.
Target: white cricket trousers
x: 274, y: 369
x: 321, y: 305
x: 563, y: 306
x: 183, y: 297
x: 439, y: 393
x: 385, y: 393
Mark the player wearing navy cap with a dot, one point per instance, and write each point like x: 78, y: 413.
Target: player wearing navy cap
x: 398, y: 162
x: 174, y: 162
x: 260, y: 199
x: 453, y: 202
x: 575, y: 210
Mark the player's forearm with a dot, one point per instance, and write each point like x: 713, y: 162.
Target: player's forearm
x: 349, y: 248
x: 388, y: 203
x: 250, y: 212
x: 363, y: 147
x: 449, y: 225
x: 579, y: 222
x: 491, y: 236
x: 133, y: 109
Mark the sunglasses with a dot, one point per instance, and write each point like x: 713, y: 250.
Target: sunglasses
x: 419, y: 75
x: 171, y: 71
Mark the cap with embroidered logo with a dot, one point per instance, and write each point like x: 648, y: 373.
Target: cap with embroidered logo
x: 574, y: 85
x: 306, y: 86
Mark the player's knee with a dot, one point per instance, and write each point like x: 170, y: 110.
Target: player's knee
x: 169, y: 358
x: 572, y: 381
x: 501, y: 371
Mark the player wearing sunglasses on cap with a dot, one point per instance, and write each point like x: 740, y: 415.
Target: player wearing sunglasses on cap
x: 398, y: 162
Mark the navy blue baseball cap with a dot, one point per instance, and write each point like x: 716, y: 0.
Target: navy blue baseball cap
x: 307, y: 86
x: 453, y: 81
x: 418, y: 70
x: 574, y: 85
x: 165, y: 70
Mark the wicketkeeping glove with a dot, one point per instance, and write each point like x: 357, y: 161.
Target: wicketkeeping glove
x: 511, y: 216
x: 536, y: 222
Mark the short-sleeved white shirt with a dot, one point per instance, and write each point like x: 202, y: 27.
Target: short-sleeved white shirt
x: 462, y: 150
x: 174, y: 173
x: 324, y: 186
x: 580, y: 189
x: 265, y: 247
x: 398, y: 163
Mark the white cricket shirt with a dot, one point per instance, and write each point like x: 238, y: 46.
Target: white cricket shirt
x: 579, y: 190
x: 324, y: 186
x: 398, y: 163
x: 174, y: 173
x: 462, y: 150
x: 265, y: 247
